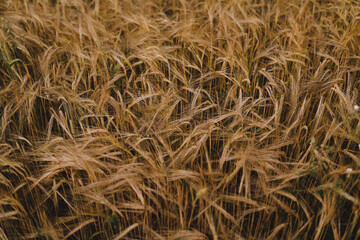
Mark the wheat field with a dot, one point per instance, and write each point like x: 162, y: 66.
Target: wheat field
x: 179, y: 119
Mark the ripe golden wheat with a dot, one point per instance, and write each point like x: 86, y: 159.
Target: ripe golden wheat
x: 179, y: 119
